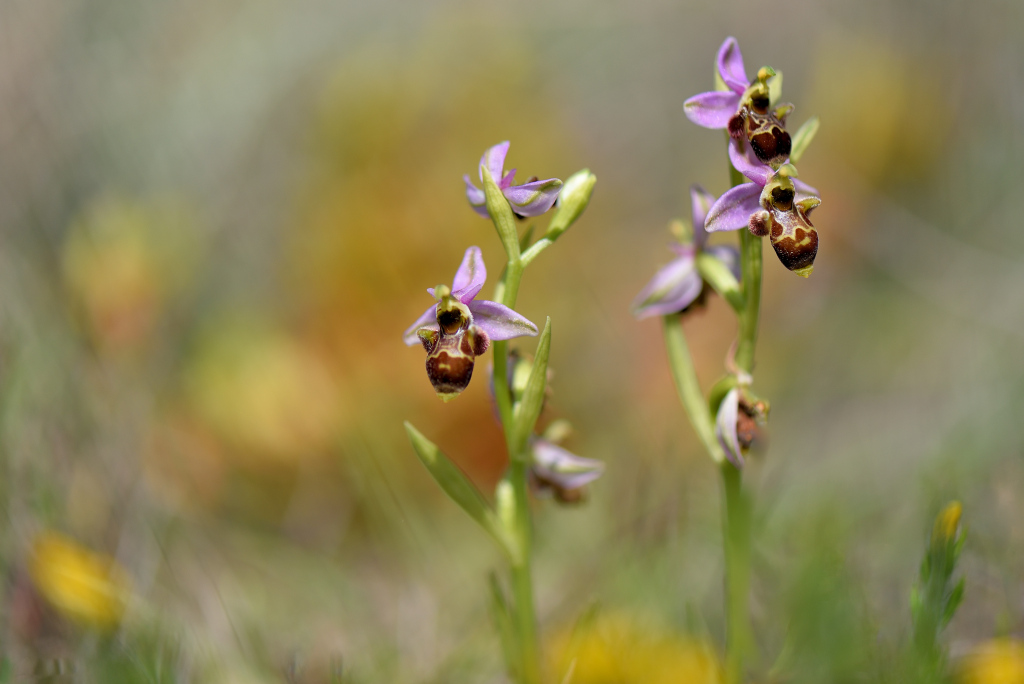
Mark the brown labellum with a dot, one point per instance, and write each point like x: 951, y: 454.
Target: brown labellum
x: 764, y: 129
x: 452, y: 352
x: 792, y: 235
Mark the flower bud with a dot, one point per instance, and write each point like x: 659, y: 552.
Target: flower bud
x: 573, y: 199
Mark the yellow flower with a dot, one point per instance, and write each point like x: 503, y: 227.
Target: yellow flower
x: 88, y: 588
x: 946, y: 523
x: 619, y: 649
x: 997, y: 662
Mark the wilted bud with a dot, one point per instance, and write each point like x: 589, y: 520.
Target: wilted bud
x: 574, y: 198
x: 763, y: 127
x: 563, y: 474
x: 738, y: 423
x: 788, y: 222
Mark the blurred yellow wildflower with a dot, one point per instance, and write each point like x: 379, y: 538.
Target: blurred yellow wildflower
x: 619, y: 649
x: 121, y: 261
x: 89, y: 588
x: 263, y: 392
x: 997, y: 662
x: 947, y: 523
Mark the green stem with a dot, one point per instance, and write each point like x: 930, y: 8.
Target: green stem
x: 736, y: 531
x: 685, y: 377
x: 525, y: 620
x: 738, y: 505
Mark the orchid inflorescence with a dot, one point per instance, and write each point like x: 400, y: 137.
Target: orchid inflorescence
x: 457, y: 329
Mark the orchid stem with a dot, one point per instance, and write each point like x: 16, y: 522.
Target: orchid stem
x: 738, y: 504
x: 527, y: 669
x: 690, y: 395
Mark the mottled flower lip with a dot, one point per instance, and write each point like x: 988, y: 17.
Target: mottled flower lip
x: 733, y: 209
x: 497, y: 320
x: 714, y: 108
x: 556, y: 466
x: 529, y: 199
x: 678, y: 284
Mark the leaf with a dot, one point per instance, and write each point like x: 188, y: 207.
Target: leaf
x: 501, y: 215
x: 529, y: 407
x: 457, y: 486
x: 503, y: 621
x: 955, y: 598
x: 803, y: 138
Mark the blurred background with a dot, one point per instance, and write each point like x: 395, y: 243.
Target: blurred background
x: 218, y: 218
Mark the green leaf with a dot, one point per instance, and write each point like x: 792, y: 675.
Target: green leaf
x: 955, y: 598
x: 458, y: 487
x: 721, y: 279
x: 528, y: 409
x: 503, y: 621
x: 501, y: 215
x: 803, y: 138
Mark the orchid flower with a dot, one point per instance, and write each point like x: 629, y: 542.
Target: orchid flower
x: 561, y: 472
x: 458, y: 328
x: 744, y: 109
x: 738, y: 423
x: 678, y: 284
x: 774, y: 204
x: 530, y: 199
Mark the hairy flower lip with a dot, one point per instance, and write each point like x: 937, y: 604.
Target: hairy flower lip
x: 678, y: 284
x: 532, y: 198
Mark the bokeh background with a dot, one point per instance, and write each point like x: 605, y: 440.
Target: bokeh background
x: 217, y: 218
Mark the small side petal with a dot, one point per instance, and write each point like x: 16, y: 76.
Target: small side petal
x: 725, y: 427
x: 427, y: 320
x: 712, y: 109
x: 803, y: 190
x: 533, y: 199
x: 700, y: 202
x: 470, y: 277
x: 508, y: 179
x: 499, y: 321
x: 564, y: 468
x: 476, y: 197
x: 730, y: 66
x: 672, y: 289
x: 494, y: 161
x: 749, y: 165
x: 733, y: 209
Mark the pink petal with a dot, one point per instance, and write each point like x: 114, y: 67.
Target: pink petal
x: 427, y: 320
x: 494, y: 161
x: 476, y: 197
x: 507, y: 180
x: 730, y: 66
x: 672, y: 289
x: 712, y: 109
x: 700, y: 202
x: 533, y: 199
x: 746, y: 163
x: 470, y: 277
x: 564, y: 468
x: 725, y: 427
x: 733, y: 209
x: 499, y: 321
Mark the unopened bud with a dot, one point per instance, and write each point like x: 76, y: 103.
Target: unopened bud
x: 573, y: 199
